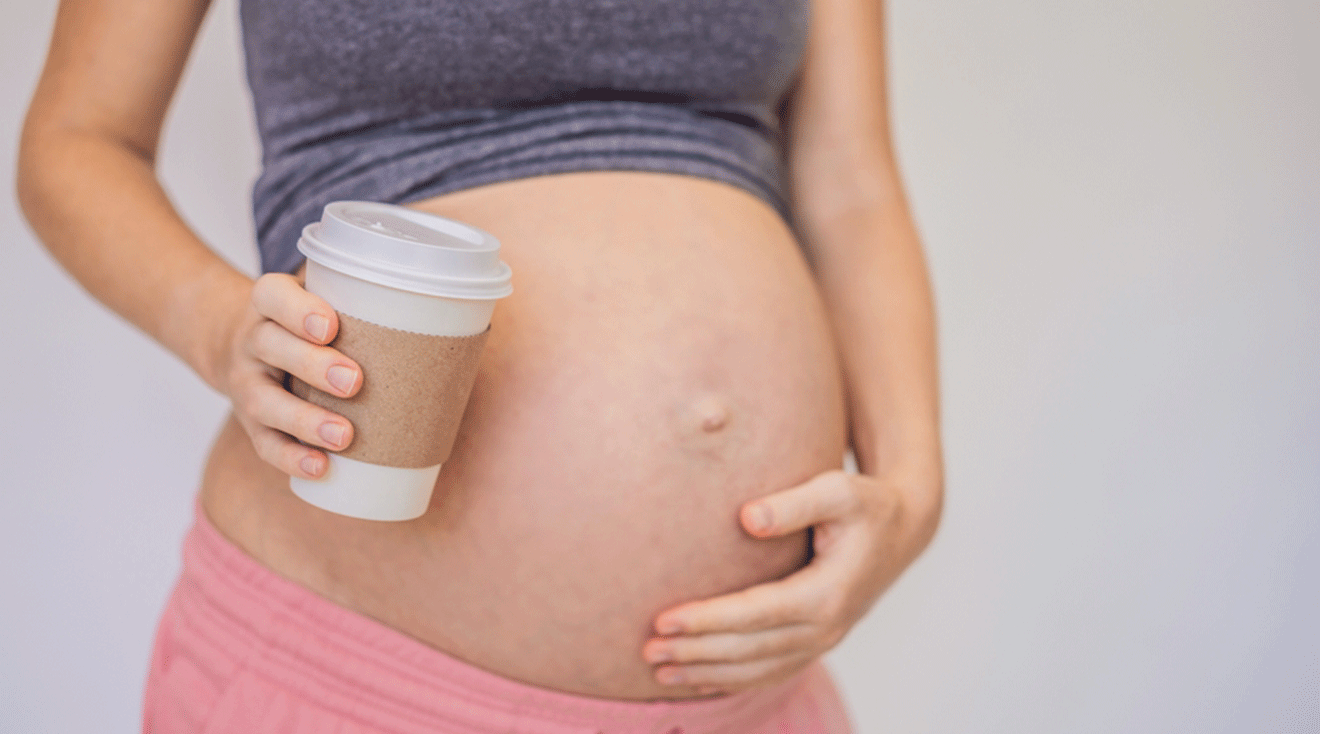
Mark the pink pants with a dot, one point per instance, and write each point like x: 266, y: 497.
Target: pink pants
x: 240, y: 649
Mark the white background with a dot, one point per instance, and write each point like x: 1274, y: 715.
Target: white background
x: 1121, y: 203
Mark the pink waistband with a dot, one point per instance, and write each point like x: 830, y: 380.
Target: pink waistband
x: 351, y: 663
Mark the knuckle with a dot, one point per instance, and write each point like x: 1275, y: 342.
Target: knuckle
x: 266, y: 445
x: 286, y: 459
x: 301, y: 422
x: 274, y: 282
x: 250, y: 318
x: 815, y: 510
x: 234, y: 376
x: 846, y: 494
x: 813, y: 614
x: 716, y: 674
x: 291, y: 415
x: 762, y: 647
x: 310, y: 419
x: 244, y: 395
x: 262, y: 289
x: 251, y: 428
x: 240, y: 341
x: 701, y: 621
x: 804, y: 611
x: 285, y: 454
x: 257, y: 404
x: 763, y: 618
x: 787, y: 507
x: 866, y: 502
x: 262, y: 340
x: 764, y: 608
x: 244, y: 340
x: 259, y: 286
x: 837, y: 479
x: 730, y: 646
x: 691, y: 649
x: 802, y: 513
x: 317, y: 361
x: 291, y: 455
x: 304, y: 361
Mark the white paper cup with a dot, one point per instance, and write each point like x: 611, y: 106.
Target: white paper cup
x: 407, y: 270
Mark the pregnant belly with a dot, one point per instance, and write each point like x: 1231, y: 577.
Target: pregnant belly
x: 665, y: 357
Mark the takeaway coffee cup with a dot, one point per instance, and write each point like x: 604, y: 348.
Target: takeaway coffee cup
x: 414, y: 293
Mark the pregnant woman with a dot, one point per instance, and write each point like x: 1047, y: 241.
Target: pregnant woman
x: 644, y: 525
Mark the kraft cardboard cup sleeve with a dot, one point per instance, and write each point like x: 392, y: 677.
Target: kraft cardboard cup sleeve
x: 408, y: 413
x: 414, y: 293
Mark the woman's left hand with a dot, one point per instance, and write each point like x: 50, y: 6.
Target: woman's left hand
x: 866, y: 530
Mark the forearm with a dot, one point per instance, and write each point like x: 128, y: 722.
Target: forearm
x: 98, y: 207
x: 872, y: 272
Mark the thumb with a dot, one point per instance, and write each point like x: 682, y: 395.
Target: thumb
x: 825, y: 497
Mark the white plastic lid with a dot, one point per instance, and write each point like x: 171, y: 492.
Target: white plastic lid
x: 410, y: 250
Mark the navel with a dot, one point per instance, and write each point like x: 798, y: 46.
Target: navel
x: 712, y: 413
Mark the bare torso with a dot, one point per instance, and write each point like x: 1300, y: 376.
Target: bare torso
x: 664, y: 358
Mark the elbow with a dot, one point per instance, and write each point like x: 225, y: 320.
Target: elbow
x: 935, y: 512
x: 58, y: 157
x: 25, y: 186
x: 927, y: 509
x: 37, y: 146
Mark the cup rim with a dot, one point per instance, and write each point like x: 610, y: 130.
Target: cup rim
x: 496, y: 284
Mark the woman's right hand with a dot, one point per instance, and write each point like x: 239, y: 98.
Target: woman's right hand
x: 284, y: 329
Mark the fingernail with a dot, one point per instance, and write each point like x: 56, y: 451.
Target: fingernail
x: 657, y: 656
x: 311, y: 464
x: 669, y: 627
x: 758, y: 518
x: 341, y: 377
x: 671, y: 676
x: 318, y: 326
x: 332, y: 433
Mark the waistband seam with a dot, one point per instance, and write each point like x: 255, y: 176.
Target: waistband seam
x: 261, y: 658
x: 218, y: 561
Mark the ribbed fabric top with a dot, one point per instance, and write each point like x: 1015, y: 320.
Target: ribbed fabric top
x: 401, y: 101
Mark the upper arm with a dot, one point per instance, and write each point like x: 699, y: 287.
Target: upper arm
x: 836, y: 120
x: 112, y: 69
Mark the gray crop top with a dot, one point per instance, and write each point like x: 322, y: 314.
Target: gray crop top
x: 401, y: 101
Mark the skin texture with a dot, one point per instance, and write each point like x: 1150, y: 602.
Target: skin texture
x: 618, y: 423
x: 658, y: 415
